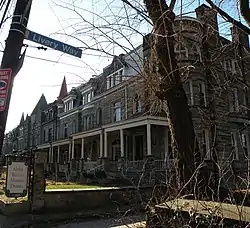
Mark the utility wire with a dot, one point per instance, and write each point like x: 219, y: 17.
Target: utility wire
x: 5, y: 12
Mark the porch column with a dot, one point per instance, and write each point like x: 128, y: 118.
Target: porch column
x: 105, y: 144
x: 122, y: 142
x: 82, y: 149
x: 73, y: 150
x: 69, y: 151
x: 166, y: 142
x: 52, y: 154
x: 101, y: 146
x: 58, y: 154
x: 149, y: 152
x: 49, y: 154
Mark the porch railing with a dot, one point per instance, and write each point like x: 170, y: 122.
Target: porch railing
x: 135, y: 165
x: 89, y: 165
x: 160, y: 165
x: 96, y: 169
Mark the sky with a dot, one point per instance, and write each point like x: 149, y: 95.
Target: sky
x: 45, y: 76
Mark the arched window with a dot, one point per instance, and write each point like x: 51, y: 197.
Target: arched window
x: 181, y: 51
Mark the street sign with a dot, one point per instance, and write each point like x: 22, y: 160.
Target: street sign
x: 55, y: 44
x: 5, y: 75
x: 17, y: 179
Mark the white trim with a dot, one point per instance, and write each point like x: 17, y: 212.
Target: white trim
x: 149, y: 144
x: 69, y: 97
x: 82, y: 149
x: 82, y: 91
x: 87, y: 106
x: 86, y: 134
x: 58, y: 154
x: 59, y: 143
x: 122, y: 142
x: 136, y: 122
x: 68, y: 114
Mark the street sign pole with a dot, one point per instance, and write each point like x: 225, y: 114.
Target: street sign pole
x: 12, y: 57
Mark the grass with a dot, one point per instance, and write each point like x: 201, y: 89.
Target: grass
x: 67, y: 185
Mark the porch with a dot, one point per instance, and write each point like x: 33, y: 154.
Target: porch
x: 123, y: 148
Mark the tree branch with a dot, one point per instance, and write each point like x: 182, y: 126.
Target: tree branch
x: 229, y: 18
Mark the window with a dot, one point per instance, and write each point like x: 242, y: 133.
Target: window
x: 44, y: 136
x: 137, y: 104
x: 74, y: 126
x: 197, y: 93
x: 197, y: 53
x: 205, y: 145
x: 88, y: 97
x: 114, y: 79
x: 68, y: 105
x: 65, y: 130
x: 99, y: 116
x: 243, y: 105
x: 51, y: 114
x: 201, y: 94
x: 230, y: 65
x: 234, y: 147
x: 233, y: 100
x: 89, y: 122
x: 244, y: 143
x: 117, y: 112
x: 181, y: 51
x: 50, y: 135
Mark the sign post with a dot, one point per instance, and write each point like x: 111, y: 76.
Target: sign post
x: 5, y: 76
x: 17, y: 179
x: 54, y: 44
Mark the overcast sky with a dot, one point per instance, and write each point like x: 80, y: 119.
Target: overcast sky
x: 39, y: 76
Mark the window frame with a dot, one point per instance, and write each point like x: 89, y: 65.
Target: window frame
x: 234, y: 145
x: 117, y: 111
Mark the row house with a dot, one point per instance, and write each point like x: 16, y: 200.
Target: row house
x: 114, y: 121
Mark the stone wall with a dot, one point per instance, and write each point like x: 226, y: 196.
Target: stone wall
x: 90, y: 199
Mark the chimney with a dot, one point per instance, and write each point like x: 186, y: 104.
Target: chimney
x: 239, y: 36
x: 208, y: 16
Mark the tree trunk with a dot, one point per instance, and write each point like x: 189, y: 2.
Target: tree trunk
x: 171, y: 90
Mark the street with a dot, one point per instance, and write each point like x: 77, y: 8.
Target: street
x: 124, y: 222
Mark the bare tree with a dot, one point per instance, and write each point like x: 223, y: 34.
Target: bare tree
x: 171, y: 90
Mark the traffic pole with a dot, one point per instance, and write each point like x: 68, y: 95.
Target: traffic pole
x: 12, y: 57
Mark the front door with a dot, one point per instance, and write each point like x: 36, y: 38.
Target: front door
x: 139, y: 147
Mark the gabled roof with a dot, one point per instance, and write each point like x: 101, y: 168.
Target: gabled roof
x: 63, y: 92
x: 22, y: 118
x: 41, y: 105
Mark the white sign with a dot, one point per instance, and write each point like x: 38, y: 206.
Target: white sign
x: 17, y: 178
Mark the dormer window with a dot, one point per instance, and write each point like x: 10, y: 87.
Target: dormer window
x: 68, y: 105
x: 50, y: 114
x: 114, y: 78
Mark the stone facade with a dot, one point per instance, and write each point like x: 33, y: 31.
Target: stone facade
x: 114, y: 116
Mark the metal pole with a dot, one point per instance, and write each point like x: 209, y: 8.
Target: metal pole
x: 12, y: 57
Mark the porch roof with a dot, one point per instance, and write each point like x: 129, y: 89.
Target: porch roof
x: 162, y: 121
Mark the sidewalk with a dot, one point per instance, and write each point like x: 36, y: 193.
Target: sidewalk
x: 53, y: 219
